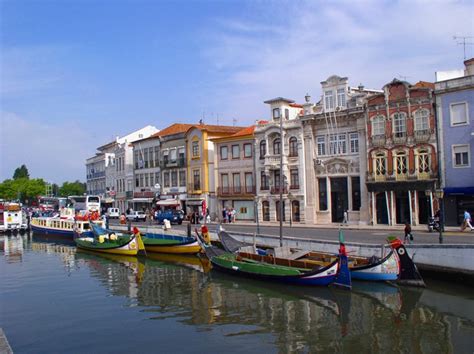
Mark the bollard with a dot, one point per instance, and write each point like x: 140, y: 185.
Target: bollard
x: 189, y: 229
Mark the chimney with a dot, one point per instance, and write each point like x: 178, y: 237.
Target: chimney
x: 469, y: 67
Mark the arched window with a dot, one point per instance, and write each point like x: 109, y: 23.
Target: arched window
x: 399, y: 125
x: 263, y: 149
x: 423, y: 163
x: 293, y: 146
x: 380, y: 165
x: 295, y: 210
x: 378, y: 126
x: 401, y: 165
x: 266, y: 211
x: 422, y: 123
x: 277, y: 146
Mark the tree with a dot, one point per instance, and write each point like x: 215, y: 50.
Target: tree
x: 21, y: 172
x: 72, y: 188
x: 22, y: 189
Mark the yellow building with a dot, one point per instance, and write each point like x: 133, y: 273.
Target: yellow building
x: 201, y: 189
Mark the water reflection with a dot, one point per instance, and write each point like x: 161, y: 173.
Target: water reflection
x: 371, y: 318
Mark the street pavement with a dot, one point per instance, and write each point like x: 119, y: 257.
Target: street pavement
x: 352, y: 233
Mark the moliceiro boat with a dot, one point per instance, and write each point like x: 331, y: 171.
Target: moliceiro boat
x: 106, y: 241
x: 269, y: 268
x: 171, y: 244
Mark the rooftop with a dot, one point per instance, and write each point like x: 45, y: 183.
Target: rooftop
x: 279, y: 99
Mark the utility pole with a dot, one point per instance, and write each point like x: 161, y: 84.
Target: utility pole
x: 280, y: 182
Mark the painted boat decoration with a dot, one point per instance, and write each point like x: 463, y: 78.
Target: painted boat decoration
x: 62, y: 227
x: 269, y: 268
x: 409, y: 274
x: 112, y: 243
x: 171, y: 244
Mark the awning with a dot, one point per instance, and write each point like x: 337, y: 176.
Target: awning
x: 108, y: 200
x: 459, y: 190
x: 194, y: 201
x: 142, y: 200
x: 168, y: 202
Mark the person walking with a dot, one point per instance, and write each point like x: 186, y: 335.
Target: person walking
x: 408, y: 235
x: 467, y: 221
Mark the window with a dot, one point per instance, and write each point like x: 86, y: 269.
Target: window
x: 137, y: 181
x: 247, y: 150
x: 165, y: 158
x: 378, y: 126
x: 225, y: 183
x: 355, y: 193
x: 341, y: 144
x: 146, y: 158
x: 423, y: 161
x: 182, y: 178
x: 166, y: 179
x: 266, y: 211
x: 174, y: 178
x: 354, y: 141
x: 263, y: 149
x: 323, y: 200
x: 146, y: 180
x: 181, y: 156
x: 157, y: 177
x: 235, y: 151
x: 337, y: 144
x: 152, y: 182
x: 276, y: 177
x: 399, y: 125
x: 150, y: 156
x: 196, y: 180
x: 195, y: 148
x: 276, y: 113
x: 461, y: 156
x: 249, y: 182
x: 422, y: 123
x: 401, y: 167
x: 157, y: 156
x: 136, y: 159
x: 321, y: 143
x: 329, y: 100
x: 341, y: 97
x: 141, y: 180
x: 293, y: 146
x: 294, y: 179
x: 173, y: 155
x: 263, y: 181
x: 224, y: 152
x: 287, y: 113
x: 380, y: 164
x: 277, y: 146
x: 458, y: 112
x: 236, y: 182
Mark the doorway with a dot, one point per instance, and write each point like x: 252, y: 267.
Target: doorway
x: 402, y: 207
x: 424, y: 207
x: 339, y: 198
x: 381, y: 208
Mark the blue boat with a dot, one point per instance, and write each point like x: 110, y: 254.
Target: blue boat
x: 62, y: 227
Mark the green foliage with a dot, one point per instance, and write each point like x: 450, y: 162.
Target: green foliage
x: 22, y: 189
x: 72, y: 188
x: 21, y: 172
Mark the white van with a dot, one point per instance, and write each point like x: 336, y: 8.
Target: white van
x: 114, y: 213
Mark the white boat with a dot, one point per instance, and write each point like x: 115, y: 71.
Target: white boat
x: 12, y: 217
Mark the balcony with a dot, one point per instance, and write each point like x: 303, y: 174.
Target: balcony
x: 294, y: 186
x: 96, y: 175
x: 194, y: 188
x: 264, y: 187
x: 399, y: 139
x: 378, y: 140
x: 236, y: 191
x: 380, y: 178
x: 422, y: 136
x: 276, y: 190
x: 273, y: 161
x: 401, y: 176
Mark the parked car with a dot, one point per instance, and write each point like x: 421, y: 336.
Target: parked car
x: 114, y: 213
x: 174, y: 216
x: 136, y: 216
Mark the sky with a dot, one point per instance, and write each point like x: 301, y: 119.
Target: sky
x: 74, y: 74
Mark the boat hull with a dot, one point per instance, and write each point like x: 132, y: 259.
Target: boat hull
x: 386, y: 269
x: 131, y: 248
x: 58, y: 232
x: 322, y: 277
x: 171, y: 244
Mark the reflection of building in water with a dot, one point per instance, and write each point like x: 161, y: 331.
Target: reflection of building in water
x: 65, y: 252
x: 302, y: 319
x: 13, y: 248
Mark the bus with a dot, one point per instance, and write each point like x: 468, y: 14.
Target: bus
x: 48, y: 203
x: 85, y: 202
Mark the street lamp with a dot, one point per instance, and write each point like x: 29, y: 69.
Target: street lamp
x: 439, y: 193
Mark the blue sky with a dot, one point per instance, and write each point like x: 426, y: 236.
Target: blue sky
x: 75, y: 74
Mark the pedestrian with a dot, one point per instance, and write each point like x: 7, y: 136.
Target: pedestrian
x: 123, y: 219
x: 345, y: 217
x: 224, y: 215
x: 467, y: 221
x: 233, y: 212
x: 408, y: 235
x: 229, y: 215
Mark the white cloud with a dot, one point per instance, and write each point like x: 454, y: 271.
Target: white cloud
x: 54, y: 152
x: 290, y: 49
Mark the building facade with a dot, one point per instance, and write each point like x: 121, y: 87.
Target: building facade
x: 270, y: 145
x: 455, y: 115
x: 201, y: 189
x: 402, y: 156
x: 335, y: 150
x: 173, y: 166
x: 235, y: 174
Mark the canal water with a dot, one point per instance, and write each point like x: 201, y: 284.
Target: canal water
x: 54, y: 299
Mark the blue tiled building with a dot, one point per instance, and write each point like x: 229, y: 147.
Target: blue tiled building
x: 455, y: 115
